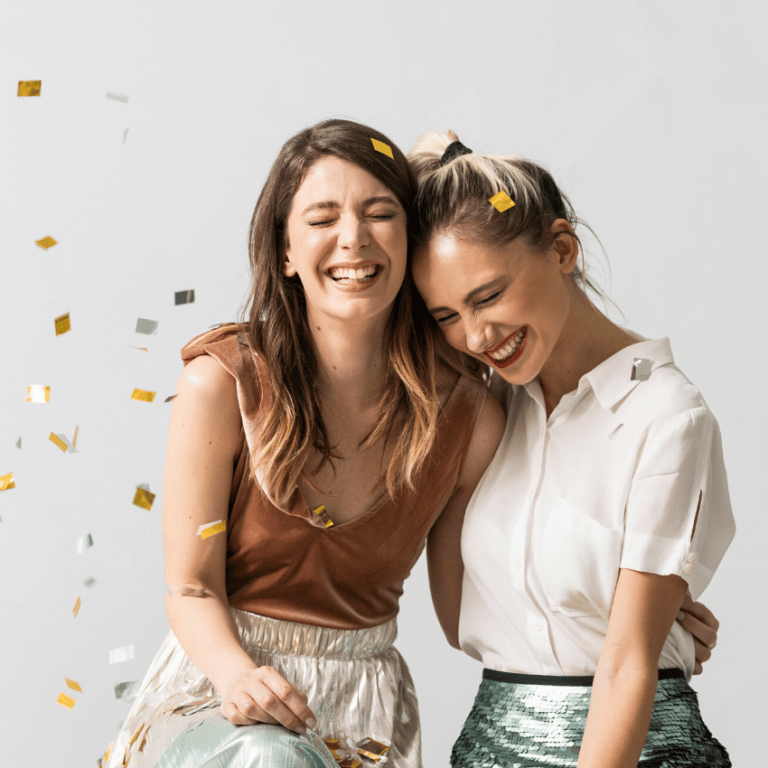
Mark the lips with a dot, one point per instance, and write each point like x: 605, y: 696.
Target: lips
x: 358, y: 274
x: 510, y: 350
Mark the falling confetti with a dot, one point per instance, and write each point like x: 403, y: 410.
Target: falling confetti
x: 65, y: 701
x: 641, y: 369
x: 38, y: 393
x: 84, y: 542
x: 184, y: 297
x: 501, y: 201
x: 143, y: 395
x: 76, y: 609
x: 117, y: 97
x: 18, y: 443
x: 380, y: 146
x: 57, y: 441
x: 74, y: 439
x: 89, y: 582
x: 125, y: 135
x: 46, y: 242
x: 117, y: 655
x: 143, y: 349
x: 211, y: 529
x: 30, y: 87
x: 62, y: 324
x: 73, y: 685
x: 6, y: 482
x: 143, y: 498
x: 146, y: 326
x: 169, y: 398
x: 127, y: 691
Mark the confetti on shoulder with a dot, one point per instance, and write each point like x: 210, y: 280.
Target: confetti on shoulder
x: 641, y: 369
x: 211, y: 529
x: 501, y: 201
x: 144, y: 395
x: 46, y: 242
x: 6, y: 482
x: 380, y: 146
x: 73, y: 685
x: 30, y: 87
x: 65, y: 701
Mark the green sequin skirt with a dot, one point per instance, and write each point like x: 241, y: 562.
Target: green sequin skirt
x: 526, y: 721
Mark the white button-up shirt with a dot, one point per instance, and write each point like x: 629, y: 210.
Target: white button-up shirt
x: 621, y: 473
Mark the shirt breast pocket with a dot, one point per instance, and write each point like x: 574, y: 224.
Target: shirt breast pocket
x: 580, y: 562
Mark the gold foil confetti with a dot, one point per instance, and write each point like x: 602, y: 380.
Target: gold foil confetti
x: 143, y: 395
x: 143, y: 498
x: 57, y: 441
x: 501, y: 201
x: 641, y: 369
x: 46, y: 242
x: 76, y: 609
x: 38, y: 393
x: 380, y: 146
x: 350, y: 762
x: 30, y: 87
x: 89, y: 582
x: 117, y: 655
x: 184, y: 297
x: 143, y: 741
x: 373, y: 750
x: 323, y: 515
x: 109, y: 749
x: 127, y: 691
x: 143, y: 349
x: 7, y: 482
x: 169, y: 398
x: 73, y: 685
x: 136, y: 735
x: 62, y: 324
x: 84, y: 542
x: 334, y: 747
x: 117, y: 97
x: 211, y: 529
x: 146, y: 326
x: 65, y: 701
x: 74, y: 439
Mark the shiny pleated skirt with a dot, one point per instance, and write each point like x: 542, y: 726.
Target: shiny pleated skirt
x: 357, y: 684
x: 526, y: 721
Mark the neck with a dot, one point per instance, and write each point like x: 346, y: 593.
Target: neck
x: 588, y: 338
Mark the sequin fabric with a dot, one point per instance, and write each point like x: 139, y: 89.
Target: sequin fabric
x: 527, y: 726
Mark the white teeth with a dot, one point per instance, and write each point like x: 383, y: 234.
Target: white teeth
x: 509, y: 348
x: 347, y: 273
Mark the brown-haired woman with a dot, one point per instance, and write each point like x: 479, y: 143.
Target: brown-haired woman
x: 327, y: 439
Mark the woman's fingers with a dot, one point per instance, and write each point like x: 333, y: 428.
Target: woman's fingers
x: 704, y: 633
x: 701, y: 612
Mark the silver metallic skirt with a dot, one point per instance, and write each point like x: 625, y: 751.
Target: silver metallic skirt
x: 527, y: 721
x: 357, y: 683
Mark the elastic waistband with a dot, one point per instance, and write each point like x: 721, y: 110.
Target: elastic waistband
x: 289, y: 638
x: 581, y: 680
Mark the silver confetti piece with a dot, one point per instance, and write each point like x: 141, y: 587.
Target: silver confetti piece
x: 117, y: 97
x: 64, y: 439
x: 127, y: 691
x: 169, y: 398
x: 146, y: 326
x: 89, y: 582
x: 184, y: 297
x: 143, y: 486
x: 84, y: 542
x: 117, y: 655
x: 641, y: 369
x: 18, y: 443
x: 125, y: 135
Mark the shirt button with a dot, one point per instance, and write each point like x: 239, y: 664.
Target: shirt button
x: 539, y: 626
x: 688, y: 568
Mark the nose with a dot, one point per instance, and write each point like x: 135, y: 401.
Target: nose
x: 353, y: 233
x: 479, y: 335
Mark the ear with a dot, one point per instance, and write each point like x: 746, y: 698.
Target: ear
x: 565, y: 245
x: 289, y: 270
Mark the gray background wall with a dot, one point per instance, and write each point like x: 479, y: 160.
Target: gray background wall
x: 652, y: 116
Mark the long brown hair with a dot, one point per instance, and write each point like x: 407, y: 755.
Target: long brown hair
x: 276, y: 319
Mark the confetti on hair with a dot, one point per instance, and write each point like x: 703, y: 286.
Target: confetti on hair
x: 65, y: 701
x: 38, y: 393
x: 380, y: 146
x: 62, y: 324
x: 144, y: 395
x: 76, y: 609
x: 641, y: 369
x: 211, y: 529
x: 501, y: 201
x: 146, y: 326
x: 169, y: 398
x: 143, y: 498
x: 323, y: 515
x: 7, y: 482
x: 127, y: 691
x: 46, y: 242
x: 184, y: 297
x: 117, y: 97
x: 30, y: 87
x: 84, y: 542
x: 73, y: 685
x: 118, y: 655
x: 58, y: 442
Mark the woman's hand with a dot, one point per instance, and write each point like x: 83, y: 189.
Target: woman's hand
x: 702, y: 624
x: 263, y: 695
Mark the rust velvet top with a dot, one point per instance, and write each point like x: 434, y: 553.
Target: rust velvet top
x: 282, y: 562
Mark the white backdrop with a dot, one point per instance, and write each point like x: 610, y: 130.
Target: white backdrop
x: 652, y: 116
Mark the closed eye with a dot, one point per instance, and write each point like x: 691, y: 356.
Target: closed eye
x: 446, y: 318
x: 489, y: 299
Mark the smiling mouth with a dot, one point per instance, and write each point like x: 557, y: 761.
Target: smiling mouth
x: 510, y: 350
x: 354, y: 275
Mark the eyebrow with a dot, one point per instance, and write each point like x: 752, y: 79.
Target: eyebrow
x: 325, y: 205
x: 471, y: 295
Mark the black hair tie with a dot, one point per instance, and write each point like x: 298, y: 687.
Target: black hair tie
x: 454, y: 149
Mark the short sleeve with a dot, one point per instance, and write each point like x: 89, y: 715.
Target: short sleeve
x: 678, y: 516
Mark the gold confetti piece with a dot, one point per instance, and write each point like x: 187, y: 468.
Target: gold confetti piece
x: 501, y: 201
x: 74, y: 439
x: 334, y: 747
x: 143, y: 498
x: 38, y: 393
x: 125, y: 758
x: 144, y: 395
x: 169, y: 398
x: 143, y: 349
x: 30, y: 87
x: 323, y: 515
x: 117, y: 655
x: 73, y: 685
x: 65, y: 701
x: 76, y: 609
x: 211, y: 529
x: 117, y: 97
x: 6, y: 482
x: 373, y: 750
x: 136, y: 735
x: 84, y: 542
x: 146, y: 326
x: 143, y: 742
x: 46, y: 242
x: 380, y: 146
x: 62, y: 324
x: 57, y: 441
x: 109, y: 749
x: 184, y: 297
